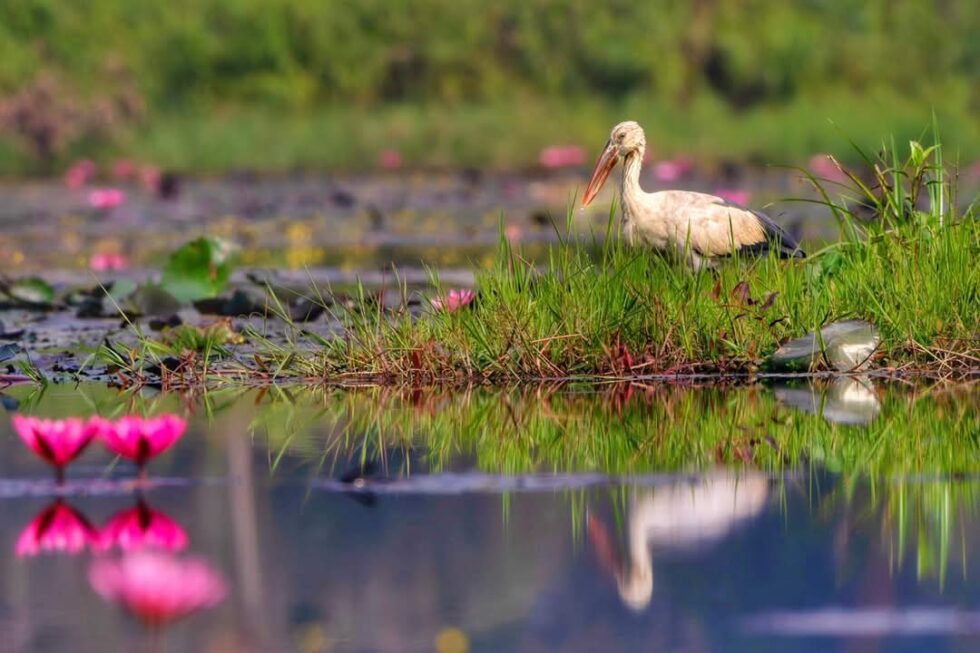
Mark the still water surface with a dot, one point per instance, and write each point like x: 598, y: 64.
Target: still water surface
x: 571, y: 520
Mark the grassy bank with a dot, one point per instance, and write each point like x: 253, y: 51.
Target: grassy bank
x: 623, y: 312
x: 602, y: 309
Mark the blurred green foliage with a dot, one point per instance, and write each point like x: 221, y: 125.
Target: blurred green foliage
x: 200, y: 56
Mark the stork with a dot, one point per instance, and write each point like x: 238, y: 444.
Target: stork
x: 701, y: 228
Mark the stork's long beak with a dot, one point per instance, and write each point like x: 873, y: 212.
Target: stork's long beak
x: 605, y: 164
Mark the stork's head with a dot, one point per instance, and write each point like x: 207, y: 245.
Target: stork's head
x: 625, y: 139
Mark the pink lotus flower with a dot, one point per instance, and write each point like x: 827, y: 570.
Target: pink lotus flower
x: 157, y: 588
x: 59, y: 528
x: 672, y: 169
x: 390, y: 159
x: 454, y: 300
x: 142, y: 527
x: 56, y: 441
x: 140, y: 439
x: 734, y: 195
x: 562, y: 156
x: 105, y: 199
x: 80, y: 173
x: 104, y: 261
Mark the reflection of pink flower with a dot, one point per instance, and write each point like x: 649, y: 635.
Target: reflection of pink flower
x: 142, y: 527
x: 59, y: 528
x: 157, y: 588
x: 390, y: 159
x: 103, y: 261
x: 56, y: 441
x: 140, y: 439
x: 105, y: 199
x: 562, y: 156
x: 80, y: 173
x: 734, y: 195
x: 454, y: 300
x: 672, y: 169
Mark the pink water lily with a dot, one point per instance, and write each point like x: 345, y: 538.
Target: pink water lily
x: 734, y: 195
x: 80, y: 173
x: 105, y: 199
x: 142, y: 527
x: 826, y: 167
x: 562, y: 156
x: 157, y: 588
x: 672, y: 169
x: 140, y: 439
x: 56, y: 441
x: 390, y: 159
x: 59, y: 528
x: 105, y: 261
x: 454, y: 300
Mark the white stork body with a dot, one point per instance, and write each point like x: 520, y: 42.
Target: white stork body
x: 701, y: 228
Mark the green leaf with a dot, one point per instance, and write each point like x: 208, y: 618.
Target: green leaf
x: 32, y: 290
x: 198, y: 270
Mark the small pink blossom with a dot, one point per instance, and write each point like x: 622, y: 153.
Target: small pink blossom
x: 104, y: 261
x: 826, y: 167
x: 124, y: 170
x: 390, y: 159
x: 59, y: 528
x: 105, y: 199
x: 56, y: 441
x: 562, y: 156
x: 157, y: 588
x: 80, y: 173
x: 140, y: 439
x: 150, y: 177
x: 673, y: 169
x: 513, y: 232
x: 454, y: 300
x: 142, y: 527
x: 734, y: 195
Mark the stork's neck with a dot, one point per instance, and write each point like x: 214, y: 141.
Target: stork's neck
x: 631, y: 174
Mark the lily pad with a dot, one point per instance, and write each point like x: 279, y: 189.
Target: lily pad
x: 9, y: 350
x: 846, y: 346
x: 32, y: 291
x: 198, y: 270
x: 151, y: 299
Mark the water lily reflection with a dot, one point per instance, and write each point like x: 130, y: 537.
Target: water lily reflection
x: 142, y: 527
x: 677, y: 516
x: 58, y: 528
x: 157, y: 588
x: 848, y: 400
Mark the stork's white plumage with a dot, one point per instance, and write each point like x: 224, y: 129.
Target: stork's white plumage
x: 699, y: 227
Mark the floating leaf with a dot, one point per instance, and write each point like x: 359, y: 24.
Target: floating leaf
x: 198, y: 270
x: 31, y: 290
x: 151, y: 299
x: 9, y: 350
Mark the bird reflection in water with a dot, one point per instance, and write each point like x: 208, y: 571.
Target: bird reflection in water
x: 678, y: 516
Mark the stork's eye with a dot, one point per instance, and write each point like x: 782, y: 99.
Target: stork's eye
x: 621, y: 136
